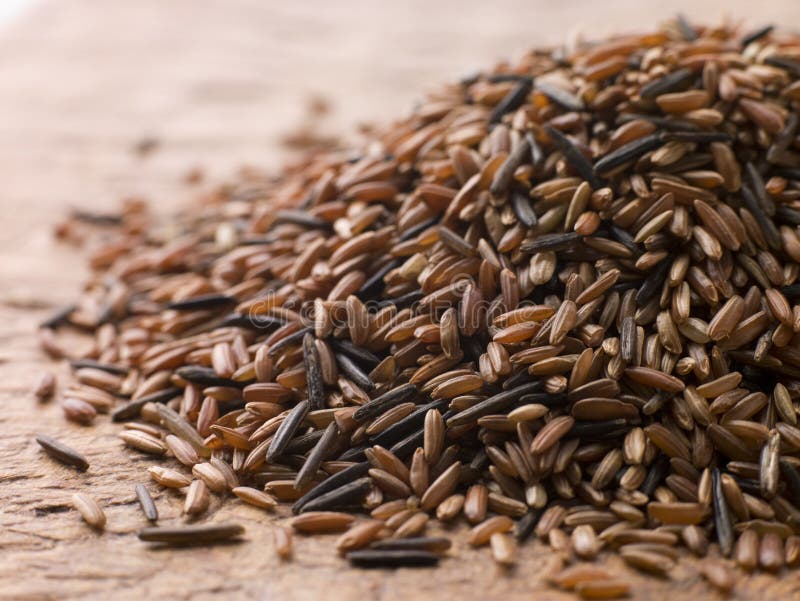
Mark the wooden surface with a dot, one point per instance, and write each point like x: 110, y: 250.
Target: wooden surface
x: 219, y: 83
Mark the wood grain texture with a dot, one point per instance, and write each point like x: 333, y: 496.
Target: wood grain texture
x: 219, y: 82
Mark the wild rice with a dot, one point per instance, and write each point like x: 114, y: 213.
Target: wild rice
x: 345, y: 496
x: 79, y: 411
x: 316, y: 456
x: 182, y: 450
x: 378, y: 558
x: 282, y: 538
x: 647, y: 561
x: 45, y: 386
x: 61, y: 452
x: 771, y: 552
x: 382, y: 403
x: 745, y: 552
x: 321, y: 521
x: 287, y: 430
x: 141, y: 441
x: 201, y: 534
x: 481, y: 533
x: 503, y: 548
x: 211, y: 475
x: 253, y: 496
x: 722, y: 517
x: 146, y: 502
x: 450, y: 508
x: 561, y: 294
x: 718, y: 574
x: 434, y: 544
x: 359, y: 536
x: 197, y: 498
x: 90, y: 510
x: 441, y: 488
x: 168, y: 477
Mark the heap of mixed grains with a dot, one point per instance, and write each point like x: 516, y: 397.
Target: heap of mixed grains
x: 559, y: 298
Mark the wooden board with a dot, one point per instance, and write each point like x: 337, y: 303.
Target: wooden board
x: 219, y: 82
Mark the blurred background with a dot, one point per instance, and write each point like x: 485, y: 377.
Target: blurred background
x: 108, y: 98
